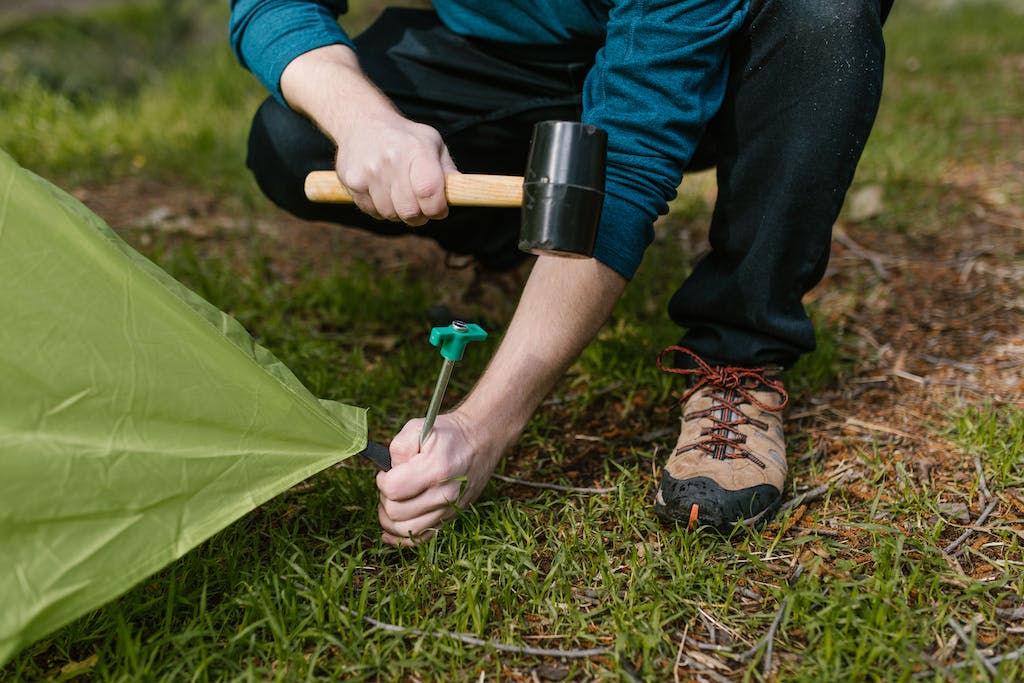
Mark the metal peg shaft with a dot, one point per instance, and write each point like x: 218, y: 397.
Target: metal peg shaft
x: 435, y: 400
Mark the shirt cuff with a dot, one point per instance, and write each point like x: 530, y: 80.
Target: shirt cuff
x: 277, y: 40
x: 623, y: 234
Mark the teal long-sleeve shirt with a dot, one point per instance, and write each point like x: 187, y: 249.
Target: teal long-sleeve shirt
x: 656, y: 82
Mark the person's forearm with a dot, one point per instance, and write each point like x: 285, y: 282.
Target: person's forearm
x: 328, y: 86
x: 394, y: 168
x: 564, y: 304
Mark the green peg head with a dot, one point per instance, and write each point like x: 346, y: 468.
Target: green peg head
x: 453, y: 339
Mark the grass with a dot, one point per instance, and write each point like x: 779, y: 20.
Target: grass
x: 944, y: 102
x: 149, y: 88
x: 282, y: 594
x: 996, y: 435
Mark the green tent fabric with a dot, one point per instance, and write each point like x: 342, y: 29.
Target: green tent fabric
x: 136, y: 419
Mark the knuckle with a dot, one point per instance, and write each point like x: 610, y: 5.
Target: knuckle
x: 355, y: 180
x: 452, y: 491
x: 429, y: 188
x: 388, y: 510
x: 366, y: 206
x: 386, y: 487
x: 428, y: 134
x: 410, y: 214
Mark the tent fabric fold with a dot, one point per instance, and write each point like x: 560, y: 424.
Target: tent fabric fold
x: 136, y: 419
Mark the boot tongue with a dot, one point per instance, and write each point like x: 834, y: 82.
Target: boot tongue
x: 723, y: 435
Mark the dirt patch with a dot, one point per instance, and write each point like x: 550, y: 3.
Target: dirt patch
x: 143, y: 210
x: 149, y: 214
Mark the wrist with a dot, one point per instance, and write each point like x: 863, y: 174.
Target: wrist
x: 328, y: 86
x: 498, y: 425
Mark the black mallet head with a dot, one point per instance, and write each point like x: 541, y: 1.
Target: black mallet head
x: 563, y: 189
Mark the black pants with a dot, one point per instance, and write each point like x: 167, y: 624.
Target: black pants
x: 804, y: 86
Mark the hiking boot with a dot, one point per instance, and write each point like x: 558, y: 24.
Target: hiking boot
x: 729, y: 464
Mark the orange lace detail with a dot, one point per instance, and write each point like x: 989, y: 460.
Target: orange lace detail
x: 723, y: 438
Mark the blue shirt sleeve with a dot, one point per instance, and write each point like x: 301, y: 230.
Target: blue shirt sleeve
x: 268, y: 34
x: 655, y: 85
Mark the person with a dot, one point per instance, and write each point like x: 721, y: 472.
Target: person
x: 779, y: 95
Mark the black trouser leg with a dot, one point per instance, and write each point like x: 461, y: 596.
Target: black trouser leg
x: 483, y: 101
x: 805, y: 82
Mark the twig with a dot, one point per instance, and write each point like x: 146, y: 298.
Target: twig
x: 553, y: 487
x: 679, y: 654
x: 948, y: 362
x: 748, y: 593
x: 655, y: 434
x: 472, y: 640
x: 951, y: 549
x: 710, y: 647
x: 992, y: 661
x: 710, y: 625
x: 565, y: 398
x: 1011, y: 613
x: 815, y: 493
x: 716, y: 624
x: 872, y: 427
x: 767, y: 641
x: 973, y: 646
x: 805, y: 497
x: 982, y: 484
x: 1008, y: 657
x: 817, y: 531
x: 706, y: 670
x: 937, y: 667
x: 909, y: 376
x: 946, y: 650
x: 871, y: 257
x: 1009, y: 364
x: 766, y: 666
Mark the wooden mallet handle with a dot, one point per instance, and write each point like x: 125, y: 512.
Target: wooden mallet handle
x: 461, y: 189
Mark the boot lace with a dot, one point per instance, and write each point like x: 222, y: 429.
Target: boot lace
x: 730, y: 388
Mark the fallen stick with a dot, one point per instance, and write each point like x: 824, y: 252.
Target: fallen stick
x: 553, y: 487
x: 815, y: 493
x: 999, y: 659
x: 954, y: 547
x: 679, y: 654
x: 767, y: 641
x: 973, y: 647
x: 982, y: 483
x: 937, y: 667
x: 766, y: 665
x: 473, y: 640
x: 705, y: 670
x: 873, y: 258
x: 805, y: 497
x: 945, y: 670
